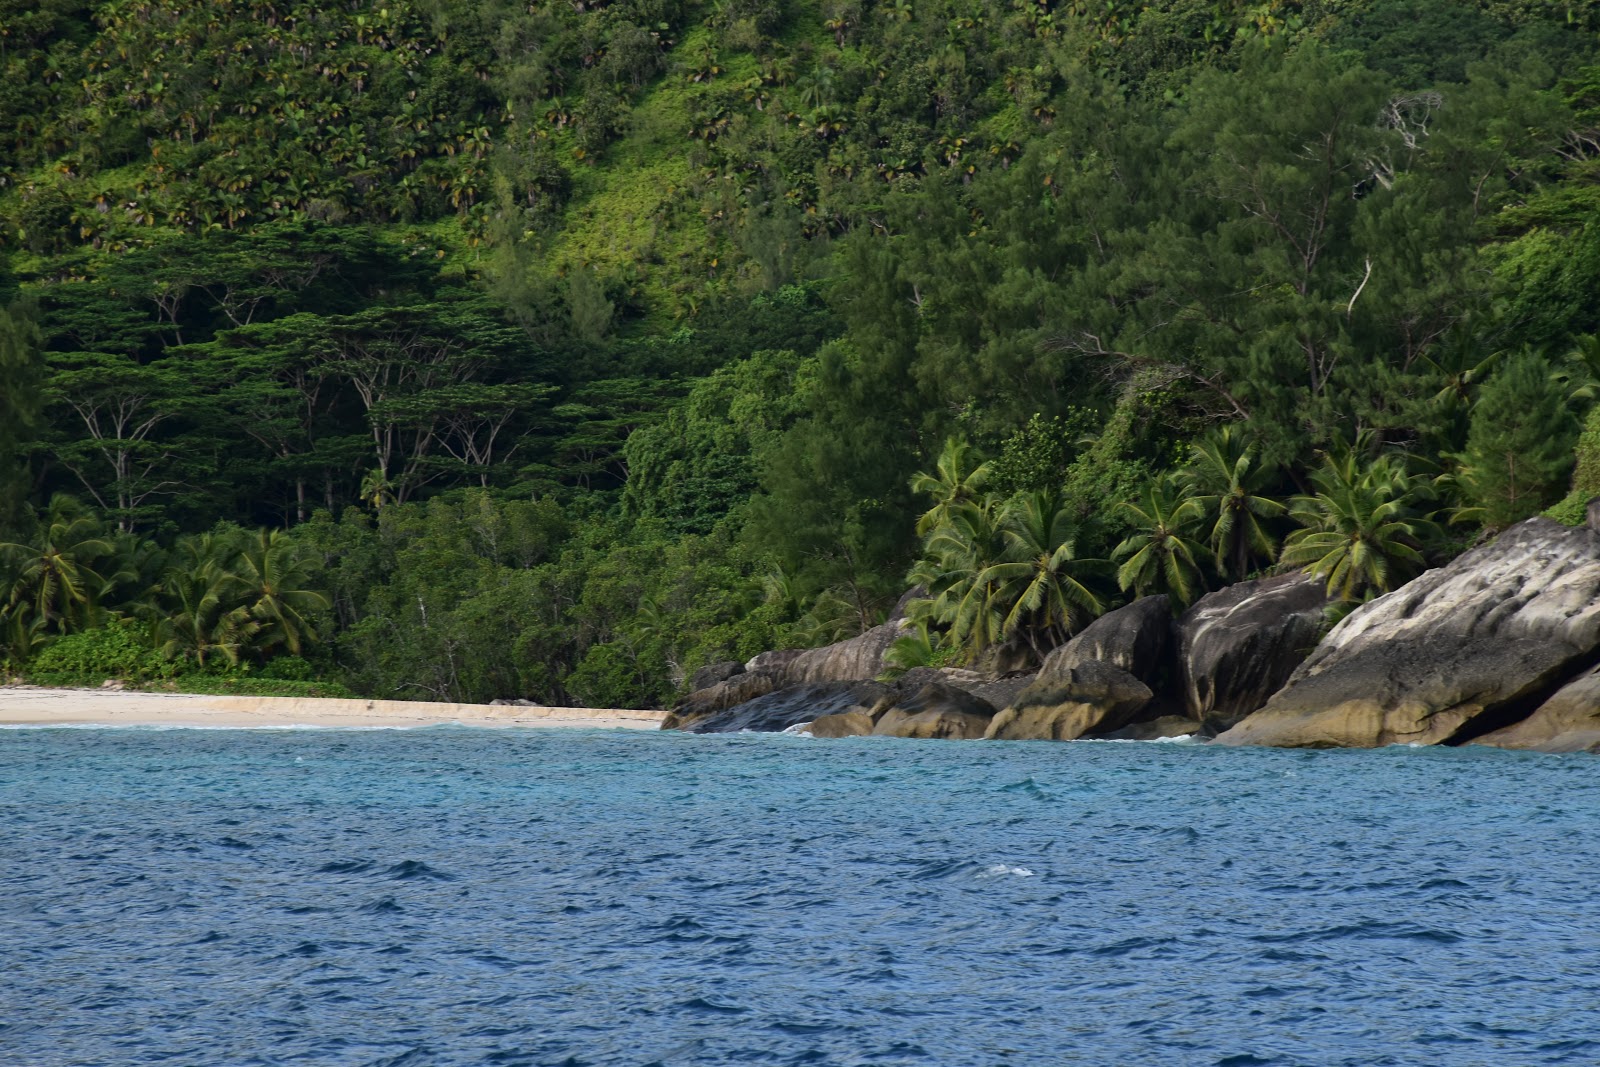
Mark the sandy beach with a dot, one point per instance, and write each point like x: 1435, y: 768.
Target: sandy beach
x: 32, y: 706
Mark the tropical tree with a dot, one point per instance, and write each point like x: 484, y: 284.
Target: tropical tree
x: 1363, y: 528
x: 1227, y: 484
x: 1519, y: 445
x: 956, y: 479
x: 274, y: 578
x: 56, y: 576
x: 1161, y: 556
x: 1037, y: 587
x: 955, y: 555
x: 203, y: 619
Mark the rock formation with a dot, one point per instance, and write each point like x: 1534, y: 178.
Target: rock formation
x: 706, y: 703
x: 1462, y: 651
x: 1063, y: 704
x: 936, y: 709
x: 791, y: 706
x: 713, y: 673
x: 1237, y: 646
x: 1568, y: 722
x: 1134, y: 638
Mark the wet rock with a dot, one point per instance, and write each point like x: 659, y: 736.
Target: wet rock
x: 713, y: 673
x: 1154, y: 729
x: 701, y: 705
x: 1461, y: 652
x: 1063, y: 704
x: 1133, y: 637
x: 778, y: 710
x: 1239, y: 645
x: 937, y: 709
x: 1568, y: 722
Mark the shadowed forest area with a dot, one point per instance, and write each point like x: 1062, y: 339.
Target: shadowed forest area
x: 458, y: 350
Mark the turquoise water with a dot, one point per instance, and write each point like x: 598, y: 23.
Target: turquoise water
x: 455, y: 896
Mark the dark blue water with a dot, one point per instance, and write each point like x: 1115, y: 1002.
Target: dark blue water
x: 452, y: 896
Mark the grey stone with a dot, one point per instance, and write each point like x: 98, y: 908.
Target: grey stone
x: 1460, y: 652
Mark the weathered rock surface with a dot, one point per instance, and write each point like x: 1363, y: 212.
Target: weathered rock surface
x: 996, y: 692
x: 1154, y: 729
x: 1239, y: 645
x: 843, y: 724
x: 853, y: 659
x: 1133, y: 637
x: 1065, y: 703
x: 937, y: 709
x: 1568, y: 722
x: 713, y: 673
x: 1007, y: 657
x: 702, y: 704
x: 1463, y: 650
x: 791, y: 706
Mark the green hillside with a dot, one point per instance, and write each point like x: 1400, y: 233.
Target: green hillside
x: 556, y: 349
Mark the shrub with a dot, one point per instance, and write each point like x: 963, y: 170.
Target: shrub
x: 120, y: 649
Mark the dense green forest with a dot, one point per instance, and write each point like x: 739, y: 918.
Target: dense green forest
x: 555, y: 348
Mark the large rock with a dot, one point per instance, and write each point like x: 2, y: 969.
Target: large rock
x: 842, y: 724
x: 1066, y: 703
x: 1157, y: 729
x: 996, y: 692
x: 936, y: 709
x: 714, y: 673
x: 705, y: 703
x: 1568, y: 722
x: 856, y: 658
x: 1133, y: 637
x: 1461, y: 651
x: 1239, y: 645
x: 783, y: 708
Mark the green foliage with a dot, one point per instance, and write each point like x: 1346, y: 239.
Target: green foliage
x: 1573, y: 508
x: 1161, y: 555
x: 1519, y: 449
x: 1364, y: 529
x: 1226, y: 483
x: 121, y: 649
x: 588, y: 320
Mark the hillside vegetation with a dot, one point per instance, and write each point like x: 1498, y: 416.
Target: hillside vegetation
x: 556, y: 349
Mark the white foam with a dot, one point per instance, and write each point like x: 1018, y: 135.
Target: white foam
x: 800, y: 729
x: 1000, y: 870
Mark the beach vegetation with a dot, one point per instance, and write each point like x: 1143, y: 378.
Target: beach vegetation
x: 465, y: 350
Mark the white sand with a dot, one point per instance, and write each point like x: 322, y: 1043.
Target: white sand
x: 30, y: 706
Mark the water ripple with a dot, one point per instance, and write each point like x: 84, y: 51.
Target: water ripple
x: 453, y: 897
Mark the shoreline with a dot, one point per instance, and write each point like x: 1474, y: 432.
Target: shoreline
x: 41, y: 706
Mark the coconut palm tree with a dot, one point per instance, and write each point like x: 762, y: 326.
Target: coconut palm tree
x: 1364, y: 527
x: 1161, y: 556
x: 955, y: 554
x: 56, y: 576
x: 1226, y: 481
x: 274, y: 580
x: 955, y: 480
x: 1038, y: 584
x: 203, y: 618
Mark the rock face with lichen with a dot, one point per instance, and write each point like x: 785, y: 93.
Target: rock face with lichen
x: 1461, y: 652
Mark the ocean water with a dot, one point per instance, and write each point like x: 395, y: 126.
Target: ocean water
x: 454, y: 896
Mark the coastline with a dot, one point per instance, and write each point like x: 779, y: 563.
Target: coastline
x: 39, y: 706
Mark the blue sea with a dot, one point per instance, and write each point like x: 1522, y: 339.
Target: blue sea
x: 456, y: 896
